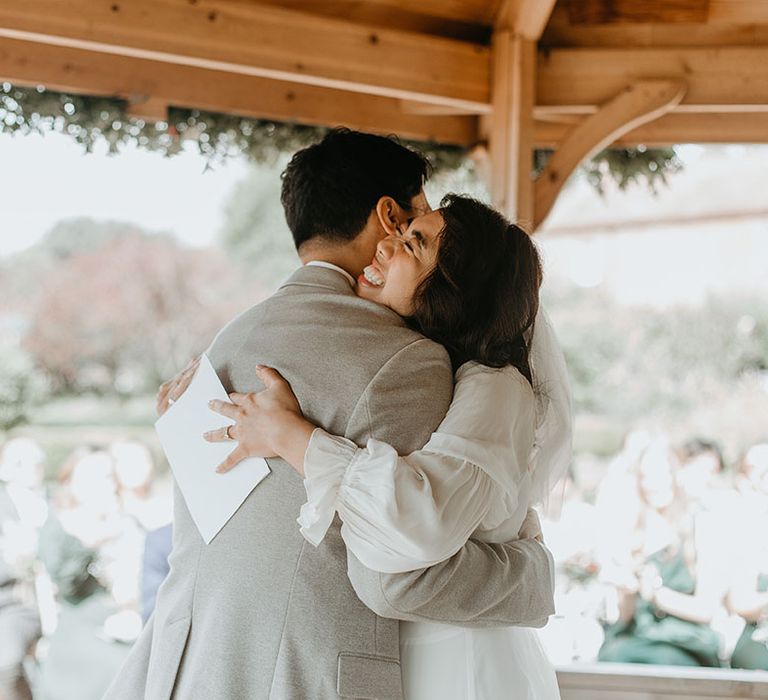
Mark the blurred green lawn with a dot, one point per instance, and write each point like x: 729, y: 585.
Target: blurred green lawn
x: 65, y: 423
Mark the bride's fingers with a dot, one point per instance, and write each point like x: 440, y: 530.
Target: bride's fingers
x: 192, y: 364
x: 172, y: 390
x: 269, y: 376
x: 224, y: 408
x: 238, y: 399
x: 182, y: 384
x: 235, y: 457
x: 161, y: 401
x: 225, y: 434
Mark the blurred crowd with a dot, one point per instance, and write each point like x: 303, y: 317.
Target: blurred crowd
x: 664, y: 561
x: 71, y: 565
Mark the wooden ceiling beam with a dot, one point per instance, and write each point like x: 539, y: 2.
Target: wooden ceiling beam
x: 738, y: 12
x: 719, y: 79
x: 744, y: 29
x: 149, y: 85
x: 469, y: 20
x: 632, y: 11
x: 263, y: 41
x: 673, y: 128
x: 526, y: 18
x: 637, y: 104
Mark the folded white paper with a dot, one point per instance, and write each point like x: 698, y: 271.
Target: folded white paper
x: 212, y: 498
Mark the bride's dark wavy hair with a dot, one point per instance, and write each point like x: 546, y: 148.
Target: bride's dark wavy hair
x: 482, y: 297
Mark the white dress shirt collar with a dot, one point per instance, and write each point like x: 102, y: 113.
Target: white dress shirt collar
x: 331, y: 266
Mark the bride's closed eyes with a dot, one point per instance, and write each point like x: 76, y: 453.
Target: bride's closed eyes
x: 401, y: 262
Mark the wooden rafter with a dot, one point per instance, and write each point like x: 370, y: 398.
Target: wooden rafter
x: 268, y: 42
x: 671, y: 129
x: 638, y: 103
x: 719, y: 79
x: 630, y: 11
x: 526, y: 18
x: 150, y: 87
x: 460, y: 19
x: 729, y: 23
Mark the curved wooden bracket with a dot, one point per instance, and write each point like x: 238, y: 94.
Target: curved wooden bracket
x: 638, y: 103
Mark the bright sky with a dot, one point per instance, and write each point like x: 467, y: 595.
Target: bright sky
x: 46, y: 179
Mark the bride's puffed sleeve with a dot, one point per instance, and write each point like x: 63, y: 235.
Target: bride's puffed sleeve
x: 404, y: 513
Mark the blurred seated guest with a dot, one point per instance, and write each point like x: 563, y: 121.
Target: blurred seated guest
x: 157, y: 548
x: 134, y: 472
x: 617, y: 503
x: 749, y: 595
x: 701, y: 471
x: 752, y: 479
x: 88, y: 546
x: 713, y: 506
x: 23, y: 511
x: 664, y: 602
x: 571, y: 529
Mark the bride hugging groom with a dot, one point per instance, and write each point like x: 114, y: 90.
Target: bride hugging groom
x: 412, y: 402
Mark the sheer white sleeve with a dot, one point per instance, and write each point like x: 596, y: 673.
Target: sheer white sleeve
x: 405, y: 513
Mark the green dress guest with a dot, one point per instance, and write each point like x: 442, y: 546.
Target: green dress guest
x: 80, y: 661
x: 752, y: 648
x: 652, y: 636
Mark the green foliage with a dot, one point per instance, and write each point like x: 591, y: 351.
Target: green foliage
x: 218, y: 136
x: 254, y: 232
x: 69, y: 237
x: 89, y: 120
x: 21, y: 387
x: 629, y: 362
x: 628, y: 166
x: 625, y: 166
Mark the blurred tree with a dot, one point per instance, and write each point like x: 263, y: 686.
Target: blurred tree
x: 81, y: 234
x: 21, y: 386
x: 630, y: 361
x: 254, y: 232
x: 131, y: 312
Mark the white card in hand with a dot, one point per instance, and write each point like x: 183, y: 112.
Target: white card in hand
x: 212, y: 498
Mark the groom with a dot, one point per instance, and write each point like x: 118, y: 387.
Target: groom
x: 259, y: 612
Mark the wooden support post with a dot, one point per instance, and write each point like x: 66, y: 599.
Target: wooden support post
x: 638, y: 103
x: 511, y: 125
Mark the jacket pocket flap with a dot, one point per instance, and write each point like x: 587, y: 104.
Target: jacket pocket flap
x: 168, y: 645
x: 369, y: 677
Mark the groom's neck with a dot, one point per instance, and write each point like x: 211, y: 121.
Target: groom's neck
x: 347, y: 256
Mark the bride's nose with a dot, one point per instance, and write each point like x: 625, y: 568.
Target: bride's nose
x: 385, y: 248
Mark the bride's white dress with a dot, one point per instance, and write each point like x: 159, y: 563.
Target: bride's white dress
x: 475, y: 477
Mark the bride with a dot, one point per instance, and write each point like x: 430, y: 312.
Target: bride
x: 467, y: 278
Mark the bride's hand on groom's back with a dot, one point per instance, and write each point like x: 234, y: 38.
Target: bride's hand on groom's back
x: 531, y: 527
x: 171, y: 391
x: 267, y: 423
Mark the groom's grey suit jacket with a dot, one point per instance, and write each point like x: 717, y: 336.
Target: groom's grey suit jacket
x: 259, y: 613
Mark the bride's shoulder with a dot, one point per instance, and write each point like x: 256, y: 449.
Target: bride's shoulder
x: 476, y: 373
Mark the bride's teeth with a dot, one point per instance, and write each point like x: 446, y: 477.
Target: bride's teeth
x: 372, y: 276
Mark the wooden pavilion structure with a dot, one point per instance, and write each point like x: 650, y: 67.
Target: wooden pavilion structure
x: 504, y: 76
x: 507, y: 75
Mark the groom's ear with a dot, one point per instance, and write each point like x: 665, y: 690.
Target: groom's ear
x: 390, y: 214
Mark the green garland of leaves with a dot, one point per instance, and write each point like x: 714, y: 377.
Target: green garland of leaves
x: 90, y: 120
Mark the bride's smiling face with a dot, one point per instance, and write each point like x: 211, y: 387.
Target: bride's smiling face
x: 401, y: 263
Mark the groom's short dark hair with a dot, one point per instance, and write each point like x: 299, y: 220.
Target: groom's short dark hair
x: 330, y: 188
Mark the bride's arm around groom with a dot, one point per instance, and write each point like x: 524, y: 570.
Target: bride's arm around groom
x: 483, y: 584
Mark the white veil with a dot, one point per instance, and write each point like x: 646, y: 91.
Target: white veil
x: 553, y: 439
